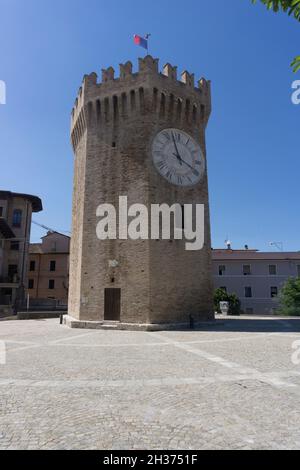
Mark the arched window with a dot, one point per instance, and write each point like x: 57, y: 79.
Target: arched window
x: 17, y: 218
x: 162, y: 105
x: 141, y: 96
x: 194, y: 113
x: 116, y: 107
x: 132, y: 99
x: 98, y: 110
x: 124, y: 104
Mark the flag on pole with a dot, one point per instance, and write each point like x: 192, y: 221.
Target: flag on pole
x: 140, y: 41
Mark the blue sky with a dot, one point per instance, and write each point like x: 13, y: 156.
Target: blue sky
x: 253, y: 135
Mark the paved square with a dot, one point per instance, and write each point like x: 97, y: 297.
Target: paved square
x: 230, y: 386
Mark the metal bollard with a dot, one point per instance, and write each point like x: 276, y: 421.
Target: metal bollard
x: 61, y: 317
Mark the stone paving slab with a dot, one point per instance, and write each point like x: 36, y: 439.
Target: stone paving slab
x: 231, y: 387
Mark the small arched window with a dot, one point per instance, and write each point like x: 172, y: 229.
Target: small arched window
x: 17, y: 218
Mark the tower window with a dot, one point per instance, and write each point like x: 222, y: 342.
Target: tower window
x: 98, y: 110
x: 171, y: 104
x: 90, y: 114
x: 187, y: 109
x: 106, y: 109
x: 194, y: 113
x: 202, y: 111
x: 51, y: 284
x: 124, y: 103
x: 155, y: 95
x: 179, y: 107
x: 132, y: 99
x: 141, y: 95
x: 162, y: 104
x: 17, y: 218
x: 116, y: 107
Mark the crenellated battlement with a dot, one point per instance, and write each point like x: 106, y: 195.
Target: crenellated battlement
x: 144, y: 91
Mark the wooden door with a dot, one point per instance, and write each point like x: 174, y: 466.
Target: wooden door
x: 112, y: 304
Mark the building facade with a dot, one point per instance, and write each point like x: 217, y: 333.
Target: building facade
x: 48, y: 268
x: 120, y: 128
x: 15, y: 223
x: 256, y: 277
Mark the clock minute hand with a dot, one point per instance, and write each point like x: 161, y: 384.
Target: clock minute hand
x: 176, y: 148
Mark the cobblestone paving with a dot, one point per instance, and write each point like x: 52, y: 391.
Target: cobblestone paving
x: 230, y: 386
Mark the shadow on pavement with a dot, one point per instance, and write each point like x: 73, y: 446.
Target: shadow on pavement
x: 254, y: 324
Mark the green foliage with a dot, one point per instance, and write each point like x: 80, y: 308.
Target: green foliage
x: 234, y: 302
x: 292, y: 8
x: 296, y: 64
x: 289, y: 298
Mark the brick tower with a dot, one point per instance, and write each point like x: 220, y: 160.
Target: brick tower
x: 115, y: 125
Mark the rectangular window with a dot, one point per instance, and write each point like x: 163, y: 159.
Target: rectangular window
x: 1, y: 211
x: 246, y: 269
x: 224, y: 288
x: 12, y: 272
x: 30, y: 283
x: 51, y: 284
x: 248, y: 292
x: 15, y: 246
x: 298, y: 270
x: 272, y: 269
x: 274, y: 291
x: 32, y: 266
x: 52, y: 265
x: 17, y: 218
x: 222, y: 269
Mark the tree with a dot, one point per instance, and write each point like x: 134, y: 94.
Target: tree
x: 292, y: 8
x: 220, y: 295
x: 289, y: 298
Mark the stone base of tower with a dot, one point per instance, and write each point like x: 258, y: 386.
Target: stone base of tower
x: 71, y: 322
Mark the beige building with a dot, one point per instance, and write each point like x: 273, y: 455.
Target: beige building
x: 48, y: 268
x: 15, y: 222
x: 129, y: 135
x: 255, y: 276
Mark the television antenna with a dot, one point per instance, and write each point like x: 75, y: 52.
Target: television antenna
x: 278, y: 245
x: 51, y: 230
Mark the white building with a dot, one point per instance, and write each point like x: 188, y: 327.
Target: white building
x: 256, y: 277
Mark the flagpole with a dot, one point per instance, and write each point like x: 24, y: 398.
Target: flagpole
x: 147, y: 36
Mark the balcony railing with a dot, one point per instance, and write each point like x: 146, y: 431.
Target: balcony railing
x: 9, y: 279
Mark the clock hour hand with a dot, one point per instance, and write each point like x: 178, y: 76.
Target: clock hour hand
x: 186, y: 163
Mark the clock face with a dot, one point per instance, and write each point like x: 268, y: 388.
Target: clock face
x: 177, y: 157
